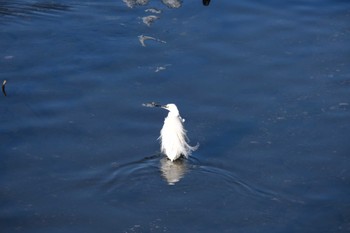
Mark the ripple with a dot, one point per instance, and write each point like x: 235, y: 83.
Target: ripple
x: 130, y: 174
x: 234, y: 183
x: 188, y: 175
x: 19, y: 9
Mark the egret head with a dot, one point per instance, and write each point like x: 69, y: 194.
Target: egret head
x: 172, y: 109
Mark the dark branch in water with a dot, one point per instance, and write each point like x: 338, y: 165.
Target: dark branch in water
x: 206, y: 2
x: 3, y: 87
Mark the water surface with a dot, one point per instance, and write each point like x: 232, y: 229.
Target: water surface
x: 263, y: 86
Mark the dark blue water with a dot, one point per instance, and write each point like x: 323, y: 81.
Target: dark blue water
x: 264, y: 87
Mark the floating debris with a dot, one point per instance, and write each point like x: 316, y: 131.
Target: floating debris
x: 151, y: 105
x: 172, y: 3
x: 160, y: 68
x: 3, y: 87
x: 132, y: 3
x: 143, y: 38
x: 168, y: 3
x: 153, y: 10
x: 148, y: 20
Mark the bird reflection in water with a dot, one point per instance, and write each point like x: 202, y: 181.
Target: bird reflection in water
x: 173, y: 171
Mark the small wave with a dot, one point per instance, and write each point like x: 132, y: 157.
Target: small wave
x: 130, y: 174
x: 15, y: 9
x: 149, y: 174
x: 233, y: 182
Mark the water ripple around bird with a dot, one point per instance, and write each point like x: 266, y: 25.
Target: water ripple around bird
x: 189, y: 176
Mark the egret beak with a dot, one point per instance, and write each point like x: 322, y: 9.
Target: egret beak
x: 152, y: 104
x: 157, y: 105
x: 163, y: 106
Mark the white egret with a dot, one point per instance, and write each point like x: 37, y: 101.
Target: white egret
x: 173, y: 138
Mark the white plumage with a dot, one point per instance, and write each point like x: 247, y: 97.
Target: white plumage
x: 173, y: 138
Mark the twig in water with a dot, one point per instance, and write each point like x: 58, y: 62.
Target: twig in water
x: 3, y: 87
